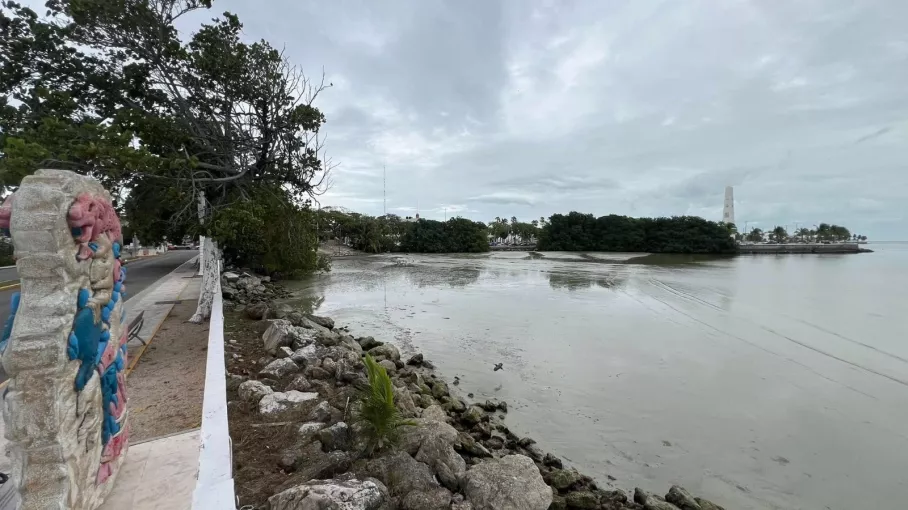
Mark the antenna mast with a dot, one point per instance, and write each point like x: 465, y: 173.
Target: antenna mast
x: 384, y: 188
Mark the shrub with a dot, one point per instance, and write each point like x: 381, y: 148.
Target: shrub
x: 375, y: 413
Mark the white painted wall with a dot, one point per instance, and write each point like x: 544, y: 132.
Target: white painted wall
x: 214, y: 489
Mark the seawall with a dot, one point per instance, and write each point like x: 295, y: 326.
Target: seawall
x: 758, y: 249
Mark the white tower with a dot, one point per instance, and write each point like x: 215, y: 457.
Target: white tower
x: 728, y: 212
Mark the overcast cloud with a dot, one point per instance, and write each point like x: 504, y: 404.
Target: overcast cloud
x: 531, y: 107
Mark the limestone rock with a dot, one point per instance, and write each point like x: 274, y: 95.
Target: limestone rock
x: 706, y: 504
x: 444, y: 461
x: 584, y: 500
x: 321, y: 413
x: 279, y: 333
x: 552, y: 461
x: 284, y: 352
x: 438, y: 498
x: 253, y: 391
x: 401, y: 473
x: 287, y: 405
x: 367, y: 342
x: 404, y: 402
x: 435, y: 412
x: 279, y: 368
x: 335, y: 437
x: 650, y: 501
x: 308, y: 431
x: 563, y: 479
x: 472, y: 415
x: 331, y: 494
x: 440, y: 389
x: 258, y: 311
x: 234, y: 381
x: 299, y: 383
x: 388, y: 365
x: 509, y: 482
x: 467, y: 444
x: 385, y: 351
x: 325, y: 322
x: 682, y: 499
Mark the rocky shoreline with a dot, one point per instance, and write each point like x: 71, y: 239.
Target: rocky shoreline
x: 292, y: 380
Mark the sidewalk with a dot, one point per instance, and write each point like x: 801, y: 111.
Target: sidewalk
x: 159, y: 473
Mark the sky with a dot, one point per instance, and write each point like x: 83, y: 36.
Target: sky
x: 481, y: 108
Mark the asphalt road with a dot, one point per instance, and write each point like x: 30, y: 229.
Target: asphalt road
x: 140, y: 274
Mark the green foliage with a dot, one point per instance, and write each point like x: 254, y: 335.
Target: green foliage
x: 268, y: 234
x: 779, y: 234
x: 679, y: 234
x: 390, y: 233
x: 457, y: 235
x: 375, y: 412
x: 755, y: 235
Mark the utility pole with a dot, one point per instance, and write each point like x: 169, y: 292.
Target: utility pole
x: 384, y: 189
x: 446, y: 214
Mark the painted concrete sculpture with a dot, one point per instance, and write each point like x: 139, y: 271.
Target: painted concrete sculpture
x: 64, y: 345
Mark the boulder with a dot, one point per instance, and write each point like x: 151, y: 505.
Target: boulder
x: 467, y: 444
x: 706, y: 504
x: 230, y: 277
x: 435, y: 412
x: 432, y: 442
x: 317, y: 373
x: 335, y: 437
x: 422, y: 431
x: 307, y: 355
x: 321, y: 413
x: 682, y: 499
x: 385, y: 351
x: 509, y: 482
x: 440, y: 389
x: 253, y: 391
x: 288, y: 405
x: 299, y: 383
x: 651, y: 501
x: 388, y: 365
x: 438, y: 498
x: 234, y: 381
x: 456, y: 405
x: 332, y: 494
x: 258, y: 311
x: 404, y: 402
x: 472, y: 415
x: 401, y: 473
x: 330, y: 366
x: 584, y: 500
x: 279, y: 333
x: 307, y: 431
x: 367, y: 342
x: 279, y: 368
x: 415, y: 360
x: 327, y: 338
x: 284, y: 352
x: 563, y: 479
x: 552, y: 461
x: 325, y: 322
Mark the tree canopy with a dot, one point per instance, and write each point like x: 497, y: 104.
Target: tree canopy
x: 680, y: 234
x: 109, y: 88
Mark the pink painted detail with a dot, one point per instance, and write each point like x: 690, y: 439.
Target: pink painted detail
x: 104, y: 473
x: 122, y: 287
x: 95, y: 216
x: 117, y: 274
x: 109, y: 356
x: 124, y: 338
x: 6, y: 211
x: 115, y: 446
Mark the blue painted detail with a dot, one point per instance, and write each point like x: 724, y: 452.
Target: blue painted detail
x: 82, y: 299
x: 116, y: 250
x: 93, y: 246
x: 76, y: 231
x: 5, y: 232
x: 123, y: 269
x: 8, y: 327
x: 102, y: 346
x: 88, y: 337
x: 105, y: 315
x: 114, y: 297
x: 109, y: 388
x: 72, y: 347
x: 118, y: 286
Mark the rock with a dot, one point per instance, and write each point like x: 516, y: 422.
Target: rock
x: 308, y: 431
x: 552, y: 461
x: 306, y: 355
x: 484, y: 429
x: 435, y: 412
x: 526, y: 441
x: 401, y: 473
x: 335, y: 437
x: 234, y: 381
x: 279, y: 333
x: 415, y: 360
x: 440, y: 389
x: 279, y: 368
x: 535, y: 453
x: 317, y: 373
x: 230, y: 277
x: 367, y: 342
x: 258, y: 311
x: 444, y: 461
x: 327, y: 338
x: 385, y: 351
x: 331, y: 494
x: 563, y: 479
x: 388, y: 365
x: 489, y: 406
x: 495, y: 442
x: 706, y: 504
x: 283, y: 352
x: 321, y: 413
x: 438, y: 498
x: 325, y: 322
x: 558, y: 503
x: 330, y: 366
x: 509, y: 482
x: 467, y: 444
x: 455, y: 405
x: 253, y: 391
x: 472, y: 415
x: 503, y: 406
x: 299, y: 383
x: 287, y: 405
x: 582, y: 499
x: 682, y: 499
x: 650, y: 501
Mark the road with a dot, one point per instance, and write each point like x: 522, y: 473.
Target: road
x: 140, y: 274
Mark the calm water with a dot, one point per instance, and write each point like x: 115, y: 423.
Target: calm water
x: 758, y: 382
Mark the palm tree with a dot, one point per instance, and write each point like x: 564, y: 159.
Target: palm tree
x: 755, y: 235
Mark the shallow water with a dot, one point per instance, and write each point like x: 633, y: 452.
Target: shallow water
x: 757, y: 381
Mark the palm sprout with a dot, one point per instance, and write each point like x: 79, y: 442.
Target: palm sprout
x: 375, y: 413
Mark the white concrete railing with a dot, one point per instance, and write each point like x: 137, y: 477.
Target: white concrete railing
x: 214, y: 489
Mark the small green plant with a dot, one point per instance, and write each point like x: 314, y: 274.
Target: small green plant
x: 375, y: 413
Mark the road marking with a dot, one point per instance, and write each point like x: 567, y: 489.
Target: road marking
x: 9, y: 284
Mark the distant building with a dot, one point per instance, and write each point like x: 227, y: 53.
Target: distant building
x: 728, y: 212
x: 411, y: 219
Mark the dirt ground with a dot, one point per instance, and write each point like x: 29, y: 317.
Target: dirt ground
x: 256, y: 448
x: 167, y: 385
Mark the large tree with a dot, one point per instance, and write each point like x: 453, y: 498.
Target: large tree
x: 177, y: 127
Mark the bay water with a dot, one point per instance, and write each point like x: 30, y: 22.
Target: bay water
x: 759, y: 382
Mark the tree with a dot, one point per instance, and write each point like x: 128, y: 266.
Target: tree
x: 779, y: 234
x: 191, y: 125
x: 755, y: 235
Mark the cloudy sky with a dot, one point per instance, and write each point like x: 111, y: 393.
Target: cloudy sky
x: 530, y: 107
